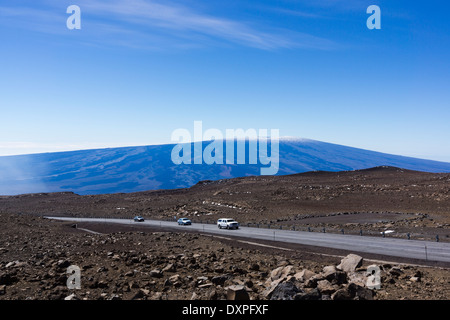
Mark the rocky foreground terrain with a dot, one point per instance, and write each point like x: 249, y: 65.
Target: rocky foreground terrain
x: 148, y: 264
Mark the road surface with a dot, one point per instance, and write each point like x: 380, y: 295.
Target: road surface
x: 413, y: 249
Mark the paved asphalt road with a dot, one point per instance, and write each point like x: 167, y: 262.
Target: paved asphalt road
x: 416, y: 249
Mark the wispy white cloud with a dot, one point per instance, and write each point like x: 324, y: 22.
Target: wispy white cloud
x: 153, y: 24
x: 341, y: 5
x: 38, y: 20
x: 297, y: 13
x: 8, y: 148
x: 183, y: 22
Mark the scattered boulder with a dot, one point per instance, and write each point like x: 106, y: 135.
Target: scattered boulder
x: 328, y: 270
x: 418, y: 274
x: 219, y: 269
x: 101, y: 269
x: 212, y: 295
x: 71, y: 297
x: 237, y: 292
x: 194, y: 296
x: 62, y: 264
x: 220, y: 280
x: 325, y: 287
x: 281, y: 272
x: 15, y: 264
x: 342, y: 294
x: 205, y: 285
x: 129, y: 273
x: 175, y: 278
x: 312, y: 282
x: 395, y: 272
x: 350, y: 263
x: 169, y: 268
x: 8, y: 279
x: 156, y: 273
x: 311, y: 295
x: 115, y: 257
x: 333, y: 275
x: 141, y: 294
x: 304, y: 275
x: 359, y: 278
x: 2, y: 289
x: 285, y: 291
x: 358, y: 292
x: 277, y: 276
x: 254, y: 267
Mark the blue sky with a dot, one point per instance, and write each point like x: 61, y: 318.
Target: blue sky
x: 137, y: 70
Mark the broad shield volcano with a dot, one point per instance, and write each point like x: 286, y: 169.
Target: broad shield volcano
x: 132, y: 169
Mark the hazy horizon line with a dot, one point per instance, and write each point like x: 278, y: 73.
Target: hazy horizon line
x: 76, y: 148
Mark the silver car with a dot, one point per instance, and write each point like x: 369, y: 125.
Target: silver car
x: 184, y: 221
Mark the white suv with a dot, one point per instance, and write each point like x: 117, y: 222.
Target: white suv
x: 227, y: 223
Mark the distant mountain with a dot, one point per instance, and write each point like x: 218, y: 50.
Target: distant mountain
x: 131, y: 169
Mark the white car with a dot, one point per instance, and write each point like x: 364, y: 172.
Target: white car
x: 227, y: 223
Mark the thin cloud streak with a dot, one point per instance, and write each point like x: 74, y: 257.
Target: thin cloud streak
x: 176, y: 19
x: 23, y: 147
x: 132, y: 23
